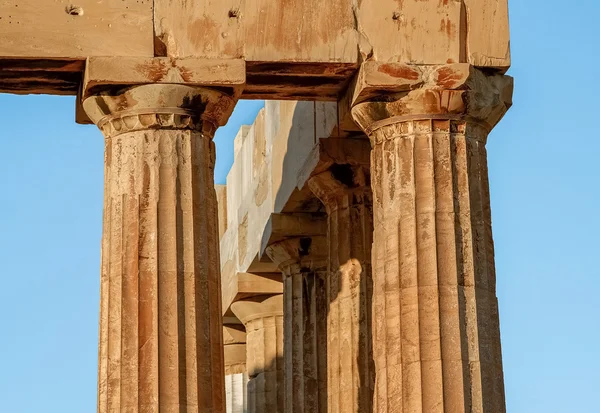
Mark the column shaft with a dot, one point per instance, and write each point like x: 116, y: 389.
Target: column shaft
x: 346, y: 194
x: 435, y: 315
x: 236, y: 378
x: 305, y: 345
x: 236, y: 392
x: 160, y: 318
x: 303, y: 264
x: 436, y: 335
x: 160, y: 276
x: 263, y: 318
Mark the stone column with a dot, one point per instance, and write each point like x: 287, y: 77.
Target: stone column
x: 345, y: 191
x: 236, y: 378
x: 263, y: 318
x: 303, y: 262
x: 436, y: 340
x: 160, y: 316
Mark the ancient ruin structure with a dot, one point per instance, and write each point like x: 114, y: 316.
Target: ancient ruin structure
x: 355, y: 267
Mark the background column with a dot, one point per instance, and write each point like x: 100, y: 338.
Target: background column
x: 345, y: 191
x: 263, y: 318
x: 236, y: 378
x: 303, y: 263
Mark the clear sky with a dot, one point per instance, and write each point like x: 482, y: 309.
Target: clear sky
x: 543, y: 161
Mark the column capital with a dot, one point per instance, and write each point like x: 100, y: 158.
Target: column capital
x: 337, y: 168
x: 341, y: 181
x: 296, y: 241
x: 298, y: 254
x: 258, y: 307
x: 329, y: 152
x: 159, y: 106
x: 388, y: 93
x: 234, y: 342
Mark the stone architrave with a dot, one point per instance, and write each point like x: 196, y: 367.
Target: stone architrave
x: 236, y: 378
x: 160, y: 318
x: 263, y: 318
x: 341, y: 180
x: 303, y: 263
x: 436, y: 337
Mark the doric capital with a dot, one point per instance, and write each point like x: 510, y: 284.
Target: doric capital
x: 340, y: 182
x: 354, y: 152
x: 258, y: 307
x: 159, y: 106
x: 385, y: 94
x: 337, y: 168
x: 296, y: 241
x: 234, y: 341
x: 299, y: 254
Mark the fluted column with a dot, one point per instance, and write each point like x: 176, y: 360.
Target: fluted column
x: 346, y: 193
x: 160, y: 316
x: 236, y: 378
x: 436, y: 337
x: 263, y: 318
x: 303, y: 262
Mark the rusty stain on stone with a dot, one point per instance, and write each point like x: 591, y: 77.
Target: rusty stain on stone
x: 399, y: 71
x: 155, y: 70
x: 448, y: 78
x: 448, y: 27
x: 186, y: 74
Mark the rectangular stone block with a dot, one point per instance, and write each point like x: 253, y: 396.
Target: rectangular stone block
x: 45, y: 28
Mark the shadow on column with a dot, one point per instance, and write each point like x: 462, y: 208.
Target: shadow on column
x: 302, y: 200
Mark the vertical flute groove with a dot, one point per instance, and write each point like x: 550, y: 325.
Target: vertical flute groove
x: 302, y: 336
x: 160, y: 348
x: 345, y: 192
x: 263, y: 319
x: 431, y: 211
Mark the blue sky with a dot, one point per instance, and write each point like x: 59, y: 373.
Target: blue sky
x: 543, y: 163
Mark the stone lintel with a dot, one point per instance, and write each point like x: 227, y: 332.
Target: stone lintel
x: 231, y: 320
x: 261, y: 264
x: 101, y: 73
x: 297, y: 80
x: 245, y: 285
x: 298, y: 254
x: 293, y: 225
x: 381, y: 91
x: 352, y: 152
x: 257, y: 284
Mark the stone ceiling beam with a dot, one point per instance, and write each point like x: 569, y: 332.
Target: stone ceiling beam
x: 293, y: 225
x: 314, y: 59
x: 245, y: 285
x: 105, y: 73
